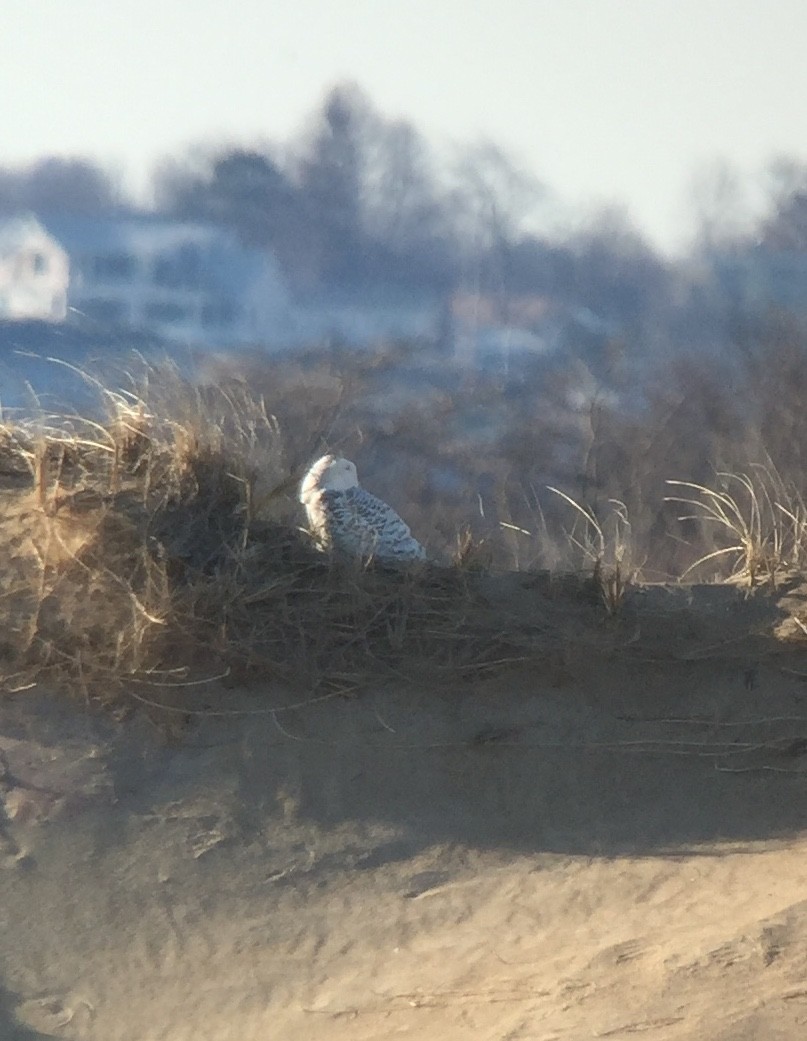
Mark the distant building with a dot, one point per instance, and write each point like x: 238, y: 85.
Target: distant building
x: 187, y: 283
x: 489, y: 331
x: 506, y: 333
x: 361, y: 318
x: 33, y: 272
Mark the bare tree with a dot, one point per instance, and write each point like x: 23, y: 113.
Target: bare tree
x: 785, y: 226
x: 241, y: 188
x: 617, y: 275
x: 68, y: 185
x: 406, y: 212
x: 493, y: 198
x: 331, y: 169
x: 498, y: 194
x: 721, y: 211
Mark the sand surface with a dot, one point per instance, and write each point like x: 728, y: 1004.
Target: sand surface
x: 614, y: 849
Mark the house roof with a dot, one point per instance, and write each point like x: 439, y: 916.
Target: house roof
x: 102, y: 233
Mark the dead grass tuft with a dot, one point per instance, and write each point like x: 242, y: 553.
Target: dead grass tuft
x: 604, y: 546
x: 159, y: 547
x: 762, y: 517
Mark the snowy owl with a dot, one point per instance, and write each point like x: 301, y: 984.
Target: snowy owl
x: 344, y: 517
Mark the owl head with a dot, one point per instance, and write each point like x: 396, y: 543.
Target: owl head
x: 332, y: 473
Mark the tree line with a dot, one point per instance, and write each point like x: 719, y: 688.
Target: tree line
x: 358, y: 201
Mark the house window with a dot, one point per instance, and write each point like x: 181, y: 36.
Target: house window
x: 39, y: 263
x: 166, y: 312
x: 218, y: 313
x: 112, y: 267
x: 180, y: 269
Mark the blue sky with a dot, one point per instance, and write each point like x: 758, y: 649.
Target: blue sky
x: 607, y: 101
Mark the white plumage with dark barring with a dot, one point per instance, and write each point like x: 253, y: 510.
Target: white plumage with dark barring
x: 348, y: 520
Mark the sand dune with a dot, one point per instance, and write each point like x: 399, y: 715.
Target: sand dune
x: 615, y: 848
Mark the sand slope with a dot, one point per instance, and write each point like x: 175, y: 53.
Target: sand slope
x: 603, y: 848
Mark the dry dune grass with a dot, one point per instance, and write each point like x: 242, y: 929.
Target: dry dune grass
x: 763, y: 516
x: 158, y: 549
x: 111, y: 526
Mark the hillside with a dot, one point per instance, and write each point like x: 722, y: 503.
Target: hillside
x: 247, y: 793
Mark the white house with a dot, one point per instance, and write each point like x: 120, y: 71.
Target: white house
x: 33, y: 272
x: 189, y: 283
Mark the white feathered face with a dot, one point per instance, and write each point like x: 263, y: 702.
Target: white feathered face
x: 331, y: 472
x: 339, y: 475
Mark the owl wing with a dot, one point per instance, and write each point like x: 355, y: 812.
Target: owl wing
x: 362, y: 525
